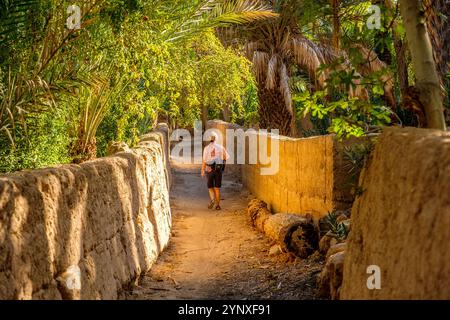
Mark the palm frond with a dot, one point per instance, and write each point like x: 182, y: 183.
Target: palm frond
x: 14, y: 15
x: 272, y: 72
x: 310, y: 56
x: 260, y: 62
x: 221, y: 13
x: 285, y: 88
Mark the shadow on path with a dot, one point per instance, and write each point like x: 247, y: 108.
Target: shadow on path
x: 218, y: 254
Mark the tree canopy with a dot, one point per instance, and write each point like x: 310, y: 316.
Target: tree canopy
x: 305, y: 67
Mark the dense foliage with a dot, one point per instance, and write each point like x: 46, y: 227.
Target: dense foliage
x: 66, y: 93
x: 305, y: 67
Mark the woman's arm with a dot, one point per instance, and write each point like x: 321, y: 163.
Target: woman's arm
x: 203, y: 168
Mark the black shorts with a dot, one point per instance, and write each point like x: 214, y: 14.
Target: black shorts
x: 215, y: 178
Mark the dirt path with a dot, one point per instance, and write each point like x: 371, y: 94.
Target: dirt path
x: 218, y: 254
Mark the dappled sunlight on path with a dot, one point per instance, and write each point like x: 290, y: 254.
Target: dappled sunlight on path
x: 217, y: 254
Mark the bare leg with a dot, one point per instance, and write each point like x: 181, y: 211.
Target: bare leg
x: 217, y: 190
x: 211, y: 194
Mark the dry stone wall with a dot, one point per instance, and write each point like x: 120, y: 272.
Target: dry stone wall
x: 85, y: 231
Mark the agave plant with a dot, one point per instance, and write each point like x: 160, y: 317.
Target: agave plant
x: 274, y: 45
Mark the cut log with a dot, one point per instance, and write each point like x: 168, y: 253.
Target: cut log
x: 304, y: 240
x: 279, y: 227
x: 259, y: 213
x: 294, y: 233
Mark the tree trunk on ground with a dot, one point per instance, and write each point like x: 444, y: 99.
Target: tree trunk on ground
x: 84, y: 150
x: 273, y: 112
x: 427, y: 77
x: 293, y: 233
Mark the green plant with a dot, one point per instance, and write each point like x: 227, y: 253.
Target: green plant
x: 339, y: 230
x: 94, y: 102
x: 355, y: 157
x: 45, y: 143
x: 149, y: 69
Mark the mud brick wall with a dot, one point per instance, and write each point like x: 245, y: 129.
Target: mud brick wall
x: 401, y: 222
x: 85, y: 231
x: 312, y: 178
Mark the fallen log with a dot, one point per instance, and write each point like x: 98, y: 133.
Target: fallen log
x: 293, y: 233
x: 259, y: 213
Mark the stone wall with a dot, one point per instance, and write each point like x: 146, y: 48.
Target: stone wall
x: 85, y: 231
x: 311, y: 179
x: 401, y: 222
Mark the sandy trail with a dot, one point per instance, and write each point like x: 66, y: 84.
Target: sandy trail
x: 217, y: 254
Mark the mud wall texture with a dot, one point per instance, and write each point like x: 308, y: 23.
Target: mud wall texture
x: 401, y: 221
x: 312, y: 178
x: 85, y: 231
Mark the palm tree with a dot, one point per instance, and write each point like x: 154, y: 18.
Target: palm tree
x: 32, y: 84
x: 273, y: 46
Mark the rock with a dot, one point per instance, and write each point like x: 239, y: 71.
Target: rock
x: 116, y: 147
x: 347, y: 223
x: 336, y: 248
x: 275, y: 250
x: 327, y: 242
x: 330, y: 279
x: 341, y: 217
x: 69, y: 283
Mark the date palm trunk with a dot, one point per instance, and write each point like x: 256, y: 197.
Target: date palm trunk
x: 336, y: 25
x: 273, y: 111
